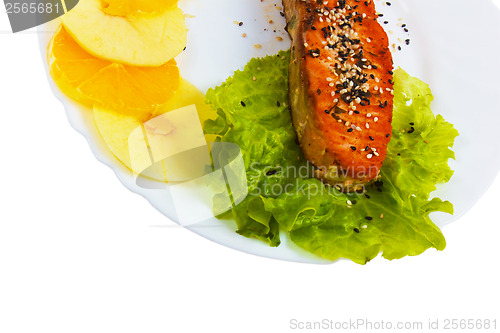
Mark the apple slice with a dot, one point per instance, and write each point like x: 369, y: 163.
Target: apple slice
x: 138, y: 39
x: 123, y: 133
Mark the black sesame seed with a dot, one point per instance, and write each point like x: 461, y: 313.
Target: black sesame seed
x: 278, y: 103
x: 353, y: 148
x: 369, y: 218
x: 356, y: 230
x: 350, y: 130
x: 371, y: 138
x: 243, y: 103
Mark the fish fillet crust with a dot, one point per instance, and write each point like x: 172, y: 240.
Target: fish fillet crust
x: 341, y: 88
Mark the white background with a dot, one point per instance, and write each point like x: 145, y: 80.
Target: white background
x: 80, y: 253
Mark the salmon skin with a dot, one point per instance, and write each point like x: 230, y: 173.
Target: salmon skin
x: 341, y: 88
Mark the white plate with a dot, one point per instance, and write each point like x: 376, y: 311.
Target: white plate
x: 454, y: 47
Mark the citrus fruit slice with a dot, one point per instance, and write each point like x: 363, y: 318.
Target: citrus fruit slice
x: 128, y: 7
x: 93, y: 81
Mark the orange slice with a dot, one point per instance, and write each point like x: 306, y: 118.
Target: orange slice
x: 128, y: 7
x: 93, y: 81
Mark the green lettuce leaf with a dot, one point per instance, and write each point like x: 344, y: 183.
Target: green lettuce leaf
x: 391, y: 217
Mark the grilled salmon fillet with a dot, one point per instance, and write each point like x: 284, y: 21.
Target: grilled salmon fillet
x: 341, y: 88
